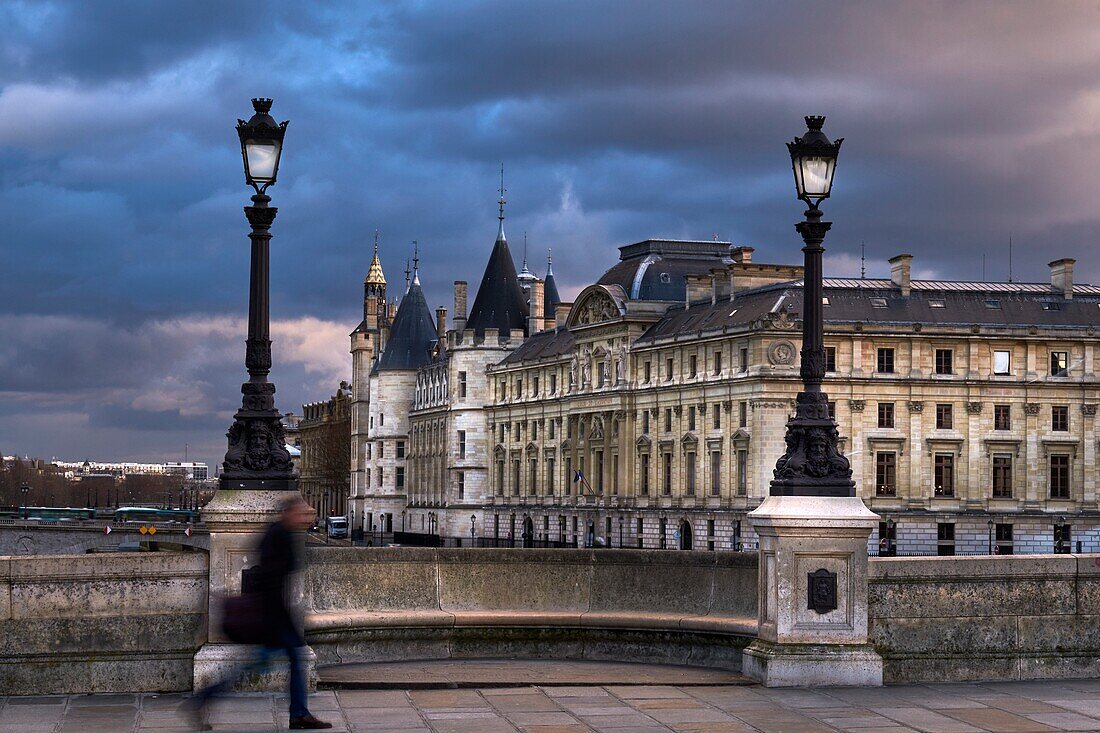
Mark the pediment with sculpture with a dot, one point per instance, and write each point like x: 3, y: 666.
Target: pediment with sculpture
x: 597, y: 304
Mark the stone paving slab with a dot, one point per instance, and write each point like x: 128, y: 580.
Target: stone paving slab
x: 1025, y: 707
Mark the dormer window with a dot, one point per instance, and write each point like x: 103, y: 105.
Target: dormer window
x: 936, y: 303
x: 878, y: 302
x: 992, y: 304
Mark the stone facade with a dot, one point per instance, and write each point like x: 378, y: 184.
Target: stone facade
x: 324, y: 436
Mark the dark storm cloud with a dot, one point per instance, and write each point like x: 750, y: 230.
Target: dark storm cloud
x: 122, y: 246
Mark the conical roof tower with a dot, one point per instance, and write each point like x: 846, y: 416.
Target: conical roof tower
x: 550, y: 297
x: 500, y: 302
x: 412, y: 334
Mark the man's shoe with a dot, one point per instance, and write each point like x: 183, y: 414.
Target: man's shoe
x: 308, y: 723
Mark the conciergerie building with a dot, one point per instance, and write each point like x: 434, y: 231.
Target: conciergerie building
x: 651, y: 411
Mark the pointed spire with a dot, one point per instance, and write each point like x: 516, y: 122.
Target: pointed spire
x: 500, y: 230
x: 550, y: 297
x: 549, y: 263
x: 416, y: 262
x: 525, y: 275
x: 375, y: 275
x: 407, y: 274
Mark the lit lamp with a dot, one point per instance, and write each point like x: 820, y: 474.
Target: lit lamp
x: 261, y: 145
x: 813, y: 158
x: 812, y: 464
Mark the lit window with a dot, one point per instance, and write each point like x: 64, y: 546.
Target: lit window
x: 825, y: 300
x: 878, y: 302
x: 1002, y: 361
x: 936, y: 304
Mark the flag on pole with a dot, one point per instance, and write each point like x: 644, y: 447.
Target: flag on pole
x: 578, y: 478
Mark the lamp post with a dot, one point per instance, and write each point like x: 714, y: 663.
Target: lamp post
x: 473, y: 520
x: 24, y: 489
x: 1059, y: 533
x: 891, y: 544
x: 990, y: 523
x: 812, y: 464
x: 257, y: 457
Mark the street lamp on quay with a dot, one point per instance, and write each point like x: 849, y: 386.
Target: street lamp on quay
x: 257, y: 457
x: 473, y: 520
x: 24, y: 489
x: 813, y: 464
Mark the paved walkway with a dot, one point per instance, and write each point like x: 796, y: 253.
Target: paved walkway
x: 948, y: 708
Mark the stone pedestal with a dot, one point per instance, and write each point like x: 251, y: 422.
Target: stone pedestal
x: 237, y: 518
x: 813, y: 593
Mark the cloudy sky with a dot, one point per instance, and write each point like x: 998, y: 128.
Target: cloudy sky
x: 123, y: 249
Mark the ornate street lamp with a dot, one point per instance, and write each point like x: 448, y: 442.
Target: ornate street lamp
x: 25, y: 489
x: 257, y: 457
x: 812, y: 464
x: 990, y: 523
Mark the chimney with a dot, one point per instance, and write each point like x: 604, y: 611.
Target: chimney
x: 561, y: 313
x: 742, y: 255
x: 1061, y: 276
x: 899, y: 272
x: 440, y: 322
x: 535, y: 307
x: 697, y: 287
x: 460, y: 306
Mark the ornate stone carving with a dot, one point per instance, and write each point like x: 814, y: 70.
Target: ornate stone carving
x: 620, y: 365
x: 1031, y: 408
x: 916, y: 406
x: 781, y: 353
x: 857, y: 405
x: 770, y: 404
x: 821, y: 594
x: 597, y: 308
x: 1088, y: 409
x: 812, y: 464
x: 573, y: 367
x: 257, y: 448
x: 974, y: 408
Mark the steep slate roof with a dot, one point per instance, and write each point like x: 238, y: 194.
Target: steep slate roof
x: 657, y: 269
x: 550, y: 297
x: 542, y: 345
x: 964, y: 303
x: 412, y: 334
x: 500, y: 302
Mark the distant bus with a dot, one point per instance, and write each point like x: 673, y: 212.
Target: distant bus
x: 47, y: 513
x: 151, y: 515
x: 337, y: 527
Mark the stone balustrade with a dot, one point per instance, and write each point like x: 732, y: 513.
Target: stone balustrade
x: 986, y: 618
x: 97, y: 623
x: 635, y: 605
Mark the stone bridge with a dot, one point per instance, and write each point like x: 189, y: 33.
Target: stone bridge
x: 40, y: 537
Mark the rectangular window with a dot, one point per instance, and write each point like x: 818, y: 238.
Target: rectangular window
x: 716, y: 418
x: 535, y: 386
x: 886, y: 472
x: 886, y: 414
x: 710, y: 534
x: 944, y: 361
x: 1002, y: 362
x: 945, y: 539
x: 381, y: 450
x: 945, y: 417
x: 553, y: 383
x: 885, y: 361
x: 648, y: 371
x: 366, y: 447
x: 744, y: 358
x: 519, y: 387
x: 1059, y: 363
x: 462, y: 384
x: 399, y: 477
x: 381, y: 475
x: 515, y: 477
x: 597, y: 466
x: 691, y: 417
x: 689, y: 471
x: 603, y: 374
x: 400, y: 449
x: 717, y: 363
x: 461, y: 480
x: 1002, y: 417
x: 1063, y: 539
x: 668, y: 419
x: 552, y: 426
x: 830, y: 358
x: 742, y: 472
x: 1059, y: 418
x: 550, y: 476
x: 641, y: 529
x: 367, y: 476
x: 644, y: 470
x: 1002, y: 475
x: 645, y: 421
x: 832, y: 410
x: 532, y: 476
x: 715, y: 473
x: 534, y: 430
x: 567, y: 483
x: 694, y: 368
x: 668, y: 369
x: 1059, y: 477
x: 666, y: 480
x: 944, y: 477
x: 742, y: 414
x: 461, y: 443
x: 1003, y: 536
